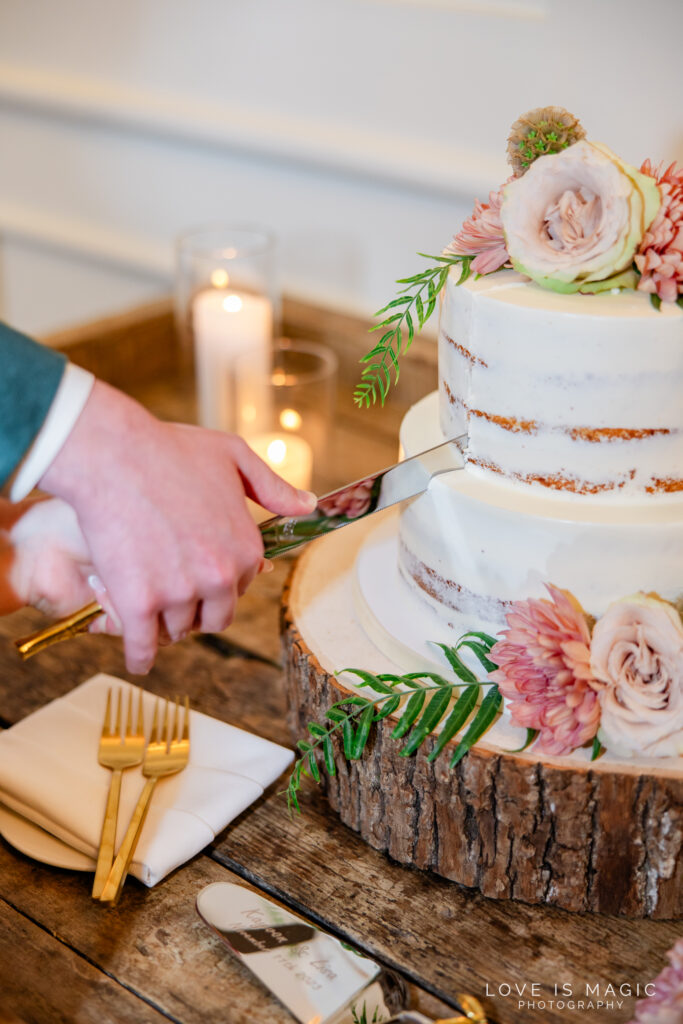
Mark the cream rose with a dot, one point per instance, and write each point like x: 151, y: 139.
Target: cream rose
x: 637, y: 664
x: 577, y: 217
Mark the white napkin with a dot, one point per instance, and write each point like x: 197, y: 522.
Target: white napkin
x: 49, y: 774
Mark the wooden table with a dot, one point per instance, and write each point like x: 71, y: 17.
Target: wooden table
x: 64, y: 957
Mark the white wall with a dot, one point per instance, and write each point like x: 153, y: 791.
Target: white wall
x: 360, y: 130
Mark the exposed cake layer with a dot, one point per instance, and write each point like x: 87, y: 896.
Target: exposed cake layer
x: 577, y: 394
x: 471, y: 545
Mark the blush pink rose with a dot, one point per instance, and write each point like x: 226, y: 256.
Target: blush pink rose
x: 577, y: 217
x: 637, y: 662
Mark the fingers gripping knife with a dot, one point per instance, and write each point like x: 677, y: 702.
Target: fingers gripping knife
x: 283, y: 534
x: 320, y: 979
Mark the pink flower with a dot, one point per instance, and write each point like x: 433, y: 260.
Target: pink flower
x: 637, y: 664
x: 664, y: 1005
x: 660, y: 256
x: 482, y: 236
x: 544, y: 671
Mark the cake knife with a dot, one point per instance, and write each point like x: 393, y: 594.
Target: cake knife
x: 282, y: 534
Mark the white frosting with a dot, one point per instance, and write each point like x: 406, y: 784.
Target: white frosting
x: 579, y: 395
x: 471, y: 543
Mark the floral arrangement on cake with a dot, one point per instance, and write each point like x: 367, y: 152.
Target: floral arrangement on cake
x: 613, y: 684
x: 573, y: 217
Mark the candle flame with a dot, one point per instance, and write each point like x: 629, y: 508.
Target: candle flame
x: 276, y: 452
x: 290, y: 419
x: 232, y: 304
x: 220, y: 279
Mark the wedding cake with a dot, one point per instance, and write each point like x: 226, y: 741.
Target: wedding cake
x: 553, y: 558
x: 573, y: 410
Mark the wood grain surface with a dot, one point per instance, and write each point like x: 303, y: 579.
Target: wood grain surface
x: 65, y: 958
x: 442, y: 937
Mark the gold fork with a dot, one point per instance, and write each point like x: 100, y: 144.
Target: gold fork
x: 117, y: 752
x: 167, y: 753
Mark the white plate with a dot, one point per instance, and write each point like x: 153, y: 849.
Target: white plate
x: 37, y: 843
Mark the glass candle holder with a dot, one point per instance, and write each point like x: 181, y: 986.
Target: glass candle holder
x: 286, y: 414
x: 227, y: 307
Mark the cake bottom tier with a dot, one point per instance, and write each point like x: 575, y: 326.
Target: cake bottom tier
x: 603, y: 836
x: 471, y: 545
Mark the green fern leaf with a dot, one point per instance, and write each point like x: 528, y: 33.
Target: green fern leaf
x: 481, y: 652
x: 432, y: 715
x: 388, y: 708
x: 459, y: 667
x: 479, y: 724
x: 362, y: 732
x: 328, y: 754
x: 413, y: 707
x: 368, y: 679
x: 462, y: 710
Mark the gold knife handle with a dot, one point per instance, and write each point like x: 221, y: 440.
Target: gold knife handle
x: 62, y: 629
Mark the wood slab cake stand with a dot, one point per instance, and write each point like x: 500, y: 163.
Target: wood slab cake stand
x: 584, y: 837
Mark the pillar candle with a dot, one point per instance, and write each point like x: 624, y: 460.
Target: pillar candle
x: 227, y: 325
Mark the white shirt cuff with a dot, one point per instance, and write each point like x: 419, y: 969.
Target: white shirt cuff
x: 70, y: 398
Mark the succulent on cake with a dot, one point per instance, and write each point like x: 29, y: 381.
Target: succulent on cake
x: 540, y: 132
x: 573, y: 217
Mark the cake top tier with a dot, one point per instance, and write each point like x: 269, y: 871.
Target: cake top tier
x: 578, y: 395
x: 575, y: 219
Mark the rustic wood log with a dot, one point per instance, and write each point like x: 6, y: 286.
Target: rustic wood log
x: 581, y: 838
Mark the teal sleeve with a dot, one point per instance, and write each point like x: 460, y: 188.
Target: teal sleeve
x: 29, y: 377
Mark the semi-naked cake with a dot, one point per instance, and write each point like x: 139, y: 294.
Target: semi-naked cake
x: 573, y: 408
x: 543, y: 580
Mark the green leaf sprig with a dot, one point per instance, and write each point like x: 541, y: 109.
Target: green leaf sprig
x: 416, y: 302
x: 427, y: 697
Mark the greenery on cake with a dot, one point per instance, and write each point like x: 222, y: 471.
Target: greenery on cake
x: 570, y: 681
x: 573, y: 217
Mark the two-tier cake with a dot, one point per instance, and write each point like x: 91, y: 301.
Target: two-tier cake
x: 557, y: 548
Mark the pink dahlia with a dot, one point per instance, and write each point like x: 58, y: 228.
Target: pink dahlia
x: 482, y: 236
x: 664, y: 1004
x: 544, y: 671
x: 660, y: 257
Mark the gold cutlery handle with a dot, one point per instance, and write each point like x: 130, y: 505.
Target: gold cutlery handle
x: 62, y: 629
x: 105, y: 856
x: 118, y: 873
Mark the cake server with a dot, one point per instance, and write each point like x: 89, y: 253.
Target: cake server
x: 282, y: 534
x: 320, y: 979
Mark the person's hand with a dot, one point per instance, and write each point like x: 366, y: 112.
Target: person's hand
x: 44, y: 559
x: 162, y: 509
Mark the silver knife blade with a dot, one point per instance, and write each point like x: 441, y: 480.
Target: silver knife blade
x: 363, y: 498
